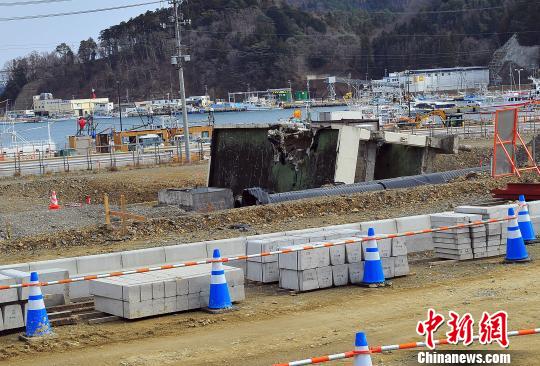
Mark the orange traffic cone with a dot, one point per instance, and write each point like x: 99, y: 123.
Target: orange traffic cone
x: 54, y: 202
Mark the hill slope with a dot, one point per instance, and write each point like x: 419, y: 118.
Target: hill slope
x: 236, y: 44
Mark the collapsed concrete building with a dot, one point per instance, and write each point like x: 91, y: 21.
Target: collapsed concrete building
x: 287, y: 157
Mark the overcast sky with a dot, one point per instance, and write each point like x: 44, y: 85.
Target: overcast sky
x: 21, y: 37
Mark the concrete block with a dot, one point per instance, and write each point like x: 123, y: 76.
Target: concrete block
x: 182, y: 287
x: 235, y: 276
x: 416, y: 243
x: 194, y: 301
x: 356, y: 272
x: 109, y: 306
x: 240, y: 264
x: 384, y: 246
x: 266, y: 245
x: 19, y: 277
x: 107, y: 287
x: 305, y: 259
x: 297, y: 240
x: 98, y: 263
x: 298, y: 280
x: 13, y: 316
x: 170, y: 287
x: 264, y: 236
x: 337, y: 255
x: 263, y: 272
x: 199, y: 283
x: 399, y: 246
x: 324, y: 277
x: 186, y: 252
x: 131, y: 293
x: 452, y: 246
x: 158, y: 290
x: 143, y: 257
x: 182, y: 303
x: 459, y: 257
x: 534, y: 208
x: 304, y: 231
x: 487, y: 212
x: 343, y: 233
x: 452, y: 218
x: 237, y: 293
x: 340, y: 274
x: 146, y: 292
x: 460, y: 251
x: 535, y: 220
x: 69, y: 264
x: 138, y: 310
x: 24, y: 267
x: 388, y: 267
x: 387, y: 226
x: 79, y: 290
x: 169, y: 305
x: 354, y: 252
x: 352, y: 226
x: 2, y: 320
x: 55, y: 274
x: 401, y: 266
x: 8, y: 295
x: 158, y: 306
x: 227, y: 247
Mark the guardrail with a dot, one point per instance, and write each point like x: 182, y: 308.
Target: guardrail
x: 41, y: 162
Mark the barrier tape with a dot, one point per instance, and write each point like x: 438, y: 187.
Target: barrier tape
x: 256, y: 255
x: 393, y: 347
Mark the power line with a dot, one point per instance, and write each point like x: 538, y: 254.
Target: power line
x: 32, y: 2
x: 40, y: 16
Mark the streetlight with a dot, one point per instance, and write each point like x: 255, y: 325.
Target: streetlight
x: 119, y: 104
x: 519, y: 77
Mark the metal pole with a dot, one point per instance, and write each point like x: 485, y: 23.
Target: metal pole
x: 119, y: 104
x: 179, y: 62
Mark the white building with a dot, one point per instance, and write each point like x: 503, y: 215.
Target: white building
x: 434, y: 80
x: 45, y: 104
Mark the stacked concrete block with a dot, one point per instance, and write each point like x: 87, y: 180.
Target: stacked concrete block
x: 338, y: 265
x: 496, y: 233
x: 453, y: 243
x: 154, y: 293
x: 264, y: 269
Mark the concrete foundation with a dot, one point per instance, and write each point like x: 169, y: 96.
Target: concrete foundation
x: 197, y: 199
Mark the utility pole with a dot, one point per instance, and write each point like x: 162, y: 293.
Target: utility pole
x: 119, y: 103
x: 519, y: 78
x: 178, y: 60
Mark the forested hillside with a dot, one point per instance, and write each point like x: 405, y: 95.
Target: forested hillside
x: 264, y: 43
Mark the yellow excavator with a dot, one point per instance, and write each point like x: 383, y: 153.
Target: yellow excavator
x: 422, y: 120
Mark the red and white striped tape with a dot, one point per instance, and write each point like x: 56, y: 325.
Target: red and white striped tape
x: 257, y: 255
x: 393, y: 347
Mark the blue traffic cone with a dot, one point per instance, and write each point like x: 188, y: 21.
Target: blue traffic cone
x: 361, y: 345
x: 524, y: 221
x: 219, y: 292
x: 515, y: 246
x: 37, y: 321
x: 373, y: 269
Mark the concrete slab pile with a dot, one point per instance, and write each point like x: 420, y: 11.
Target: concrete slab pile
x: 155, y: 293
x: 338, y: 266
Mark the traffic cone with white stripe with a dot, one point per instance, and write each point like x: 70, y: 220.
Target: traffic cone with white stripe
x: 54, y: 202
x: 363, y: 358
x: 373, y: 269
x: 37, y: 320
x: 219, y: 292
x: 515, y: 246
x: 524, y: 221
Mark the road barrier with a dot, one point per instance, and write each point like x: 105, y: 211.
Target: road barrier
x: 258, y: 255
x: 393, y: 347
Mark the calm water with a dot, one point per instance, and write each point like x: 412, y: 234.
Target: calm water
x: 61, y: 129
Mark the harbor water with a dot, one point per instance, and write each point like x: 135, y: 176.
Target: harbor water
x: 59, y: 130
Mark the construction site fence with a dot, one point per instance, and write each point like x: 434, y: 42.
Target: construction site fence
x: 45, y: 160
x: 333, y: 243
x: 390, y: 348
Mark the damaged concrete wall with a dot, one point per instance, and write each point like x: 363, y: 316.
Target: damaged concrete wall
x: 276, y: 158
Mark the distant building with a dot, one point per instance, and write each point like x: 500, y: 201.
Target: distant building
x: 46, y: 105
x: 434, y: 80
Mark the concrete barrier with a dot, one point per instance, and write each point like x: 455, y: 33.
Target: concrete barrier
x: 417, y: 243
x: 99, y: 263
x: 186, y: 252
x: 143, y: 257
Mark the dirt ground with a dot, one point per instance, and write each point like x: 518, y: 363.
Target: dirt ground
x: 273, y: 325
